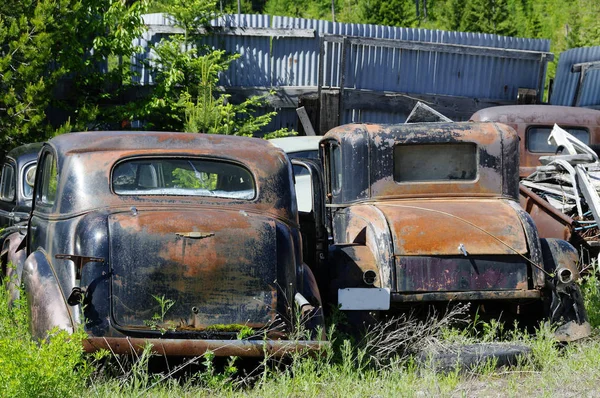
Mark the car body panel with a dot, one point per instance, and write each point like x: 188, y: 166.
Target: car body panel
x: 523, y: 117
x: 173, y: 262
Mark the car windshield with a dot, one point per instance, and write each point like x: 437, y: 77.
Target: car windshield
x: 181, y: 176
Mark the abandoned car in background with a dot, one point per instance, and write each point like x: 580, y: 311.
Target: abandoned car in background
x: 180, y: 240
x: 426, y: 213
x: 534, y: 123
x: 301, y: 147
x: 16, y: 184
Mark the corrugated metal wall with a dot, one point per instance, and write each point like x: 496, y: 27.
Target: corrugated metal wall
x: 565, y: 83
x: 294, y: 61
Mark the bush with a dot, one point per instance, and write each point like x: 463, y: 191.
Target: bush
x: 590, y: 288
x: 54, y: 367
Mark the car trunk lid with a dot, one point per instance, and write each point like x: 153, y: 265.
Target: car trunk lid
x: 440, y: 227
x: 192, y: 270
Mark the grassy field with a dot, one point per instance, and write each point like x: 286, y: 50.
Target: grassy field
x: 58, y: 367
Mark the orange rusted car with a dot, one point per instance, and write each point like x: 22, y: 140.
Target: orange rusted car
x: 426, y: 213
x: 533, y: 124
x: 178, y: 240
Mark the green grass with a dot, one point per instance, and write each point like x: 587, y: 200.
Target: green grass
x: 58, y: 368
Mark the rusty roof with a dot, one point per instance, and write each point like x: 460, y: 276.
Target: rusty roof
x: 541, y: 114
x: 112, y: 141
x: 476, y: 132
x: 85, y: 163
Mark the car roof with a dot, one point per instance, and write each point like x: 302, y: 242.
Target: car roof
x: 29, y: 150
x: 539, y: 114
x: 297, y: 144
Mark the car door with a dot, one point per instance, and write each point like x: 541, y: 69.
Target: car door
x: 311, y: 213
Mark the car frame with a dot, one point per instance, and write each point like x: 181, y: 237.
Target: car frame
x: 118, y: 245
x: 429, y: 213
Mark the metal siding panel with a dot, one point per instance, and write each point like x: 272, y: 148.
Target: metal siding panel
x: 289, y: 61
x: 565, y: 84
x: 590, y: 91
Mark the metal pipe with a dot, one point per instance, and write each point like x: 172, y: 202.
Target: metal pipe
x: 185, y: 347
x: 370, y: 277
x: 564, y: 275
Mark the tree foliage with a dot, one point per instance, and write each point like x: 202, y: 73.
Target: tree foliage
x: 62, y: 55
x: 186, y: 74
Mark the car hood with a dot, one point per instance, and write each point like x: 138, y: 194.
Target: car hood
x: 444, y: 227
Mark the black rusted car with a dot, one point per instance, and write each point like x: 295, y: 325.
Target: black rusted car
x: 16, y: 184
x: 181, y: 240
x: 429, y: 213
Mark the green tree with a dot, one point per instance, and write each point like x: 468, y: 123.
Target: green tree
x: 390, y: 12
x: 185, y: 96
x: 52, y: 56
x: 488, y: 16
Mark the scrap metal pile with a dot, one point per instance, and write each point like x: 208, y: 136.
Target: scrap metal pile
x: 570, y: 182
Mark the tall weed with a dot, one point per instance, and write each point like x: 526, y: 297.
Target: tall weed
x: 590, y: 288
x: 54, y: 367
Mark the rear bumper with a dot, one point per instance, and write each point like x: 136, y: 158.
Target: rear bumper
x: 466, y: 296
x: 189, y: 348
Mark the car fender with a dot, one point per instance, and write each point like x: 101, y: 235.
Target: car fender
x: 47, y: 304
x: 367, y: 226
x: 559, y: 254
x: 13, y: 259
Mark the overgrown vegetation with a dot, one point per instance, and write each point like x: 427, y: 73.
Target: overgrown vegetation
x: 55, y: 367
x: 382, y: 364
x: 66, y: 66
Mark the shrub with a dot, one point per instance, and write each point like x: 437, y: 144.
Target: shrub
x: 54, y: 367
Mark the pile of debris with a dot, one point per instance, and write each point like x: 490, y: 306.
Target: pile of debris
x: 570, y: 182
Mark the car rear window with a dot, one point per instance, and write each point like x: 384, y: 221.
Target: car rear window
x: 182, y: 176
x: 435, y: 162
x: 537, y: 138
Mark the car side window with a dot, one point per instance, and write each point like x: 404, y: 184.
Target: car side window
x: 49, y: 183
x: 336, y: 168
x: 7, y: 183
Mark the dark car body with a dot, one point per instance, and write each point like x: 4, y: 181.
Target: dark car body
x: 180, y: 240
x: 15, y: 192
x: 430, y: 213
x: 533, y: 124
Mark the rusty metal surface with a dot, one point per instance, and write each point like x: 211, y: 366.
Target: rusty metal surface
x: 365, y: 224
x: 227, y: 278
x: 190, y: 348
x: 550, y: 222
x: 467, y: 296
x: 438, y: 227
x: 461, y: 273
x: 88, y: 159
x: 520, y: 117
x: 361, y: 144
x: 221, y: 263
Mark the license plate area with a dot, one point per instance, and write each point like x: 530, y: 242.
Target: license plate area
x: 357, y: 299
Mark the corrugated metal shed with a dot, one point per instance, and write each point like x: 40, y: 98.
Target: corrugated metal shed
x: 566, y: 82
x: 289, y: 60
